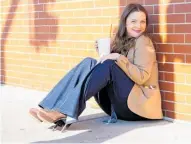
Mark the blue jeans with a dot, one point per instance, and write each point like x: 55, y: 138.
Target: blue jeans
x: 106, y: 82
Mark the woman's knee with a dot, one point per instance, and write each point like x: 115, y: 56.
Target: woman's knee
x: 109, y: 62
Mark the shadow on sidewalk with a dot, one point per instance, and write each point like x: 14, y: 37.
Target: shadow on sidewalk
x: 95, y: 131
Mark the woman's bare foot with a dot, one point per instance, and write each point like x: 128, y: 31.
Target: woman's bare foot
x: 50, y: 116
x: 33, y: 112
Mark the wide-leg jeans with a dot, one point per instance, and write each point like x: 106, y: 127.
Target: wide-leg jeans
x: 105, y: 81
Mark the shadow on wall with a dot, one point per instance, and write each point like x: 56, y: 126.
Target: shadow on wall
x: 43, y: 25
x: 4, y: 35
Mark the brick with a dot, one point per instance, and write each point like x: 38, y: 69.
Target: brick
x: 161, y: 75
x: 12, y: 80
x: 183, y: 8
x: 74, y: 5
x: 101, y: 20
x: 173, y: 77
x: 80, y: 45
x: 169, y: 18
x: 182, y: 68
x: 136, y: 1
x: 157, y: 38
x: 166, y: 86
x: 173, y: 1
x: 163, y: 9
x: 95, y: 12
x: 61, y: 6
x: 165, y: 48
x: 89, y: 21
x: 70, y: 29
x: 162, y: 95
x: 6, y: 3
x: 151, y: 2
x: 79, y: 13
x: 17, y: 55
x: 94, y: 29
x: 173, y: 97
x: 39, y: 7
x: 150, y: 9
x: 150, y: 29
x: 171, y: 58
x: 179, y: 68
x: 188, y: 17
x: 87, y: 4
x: 188, y: 59
x: 173, y: 87
x: 164, y: 28
x: 181, y: 48
x: 173, y: 38
x: 114, y: 21
x: 15, y: 48
x: 166, y: 67
x: 74, y: 21
x: 188, y: 99
x: 119, y: 3
x: 182, y: 28
x: 178, y: 116
x: 12, y: 67
x: 188, y: 38
x: 183, y: 88
x: 188, y: 79
x: 111, y: 11
x: 37, y: 64
x: 177, y: 107
x: 58, y: 65
x: 100, y: 3
x: 42, y: 29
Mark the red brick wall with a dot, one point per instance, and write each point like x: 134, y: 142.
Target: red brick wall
x: 42, y: 39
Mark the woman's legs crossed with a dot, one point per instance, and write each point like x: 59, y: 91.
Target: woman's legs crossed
x: 65, y: 95
x: 113, y: 86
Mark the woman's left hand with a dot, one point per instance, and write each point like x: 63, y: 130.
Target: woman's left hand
x: 112, y: 56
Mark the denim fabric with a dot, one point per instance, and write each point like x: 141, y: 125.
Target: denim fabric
x: 106, y: 81
x: 64, y: 97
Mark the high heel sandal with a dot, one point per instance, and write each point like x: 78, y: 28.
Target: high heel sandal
x: 68, y: 122
x: 33, y: 112
x: 46, y: 116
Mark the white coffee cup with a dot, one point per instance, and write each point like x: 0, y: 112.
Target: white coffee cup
x: 104, y: 46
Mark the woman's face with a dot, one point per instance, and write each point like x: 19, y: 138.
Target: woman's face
x: 136, y: 23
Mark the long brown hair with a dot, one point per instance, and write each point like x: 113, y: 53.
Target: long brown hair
x: 122, y: 42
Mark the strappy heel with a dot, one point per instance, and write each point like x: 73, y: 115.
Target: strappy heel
x: 59, y: 123
x: 69, y: 121
x: 65, y: 123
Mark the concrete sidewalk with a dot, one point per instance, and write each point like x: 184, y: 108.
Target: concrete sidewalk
x: 17, y: 126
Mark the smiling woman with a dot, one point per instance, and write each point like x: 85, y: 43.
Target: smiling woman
x: 133, y: 23
x: 136, y: 24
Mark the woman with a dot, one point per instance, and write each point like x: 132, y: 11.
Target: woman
x: 124, y: 83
